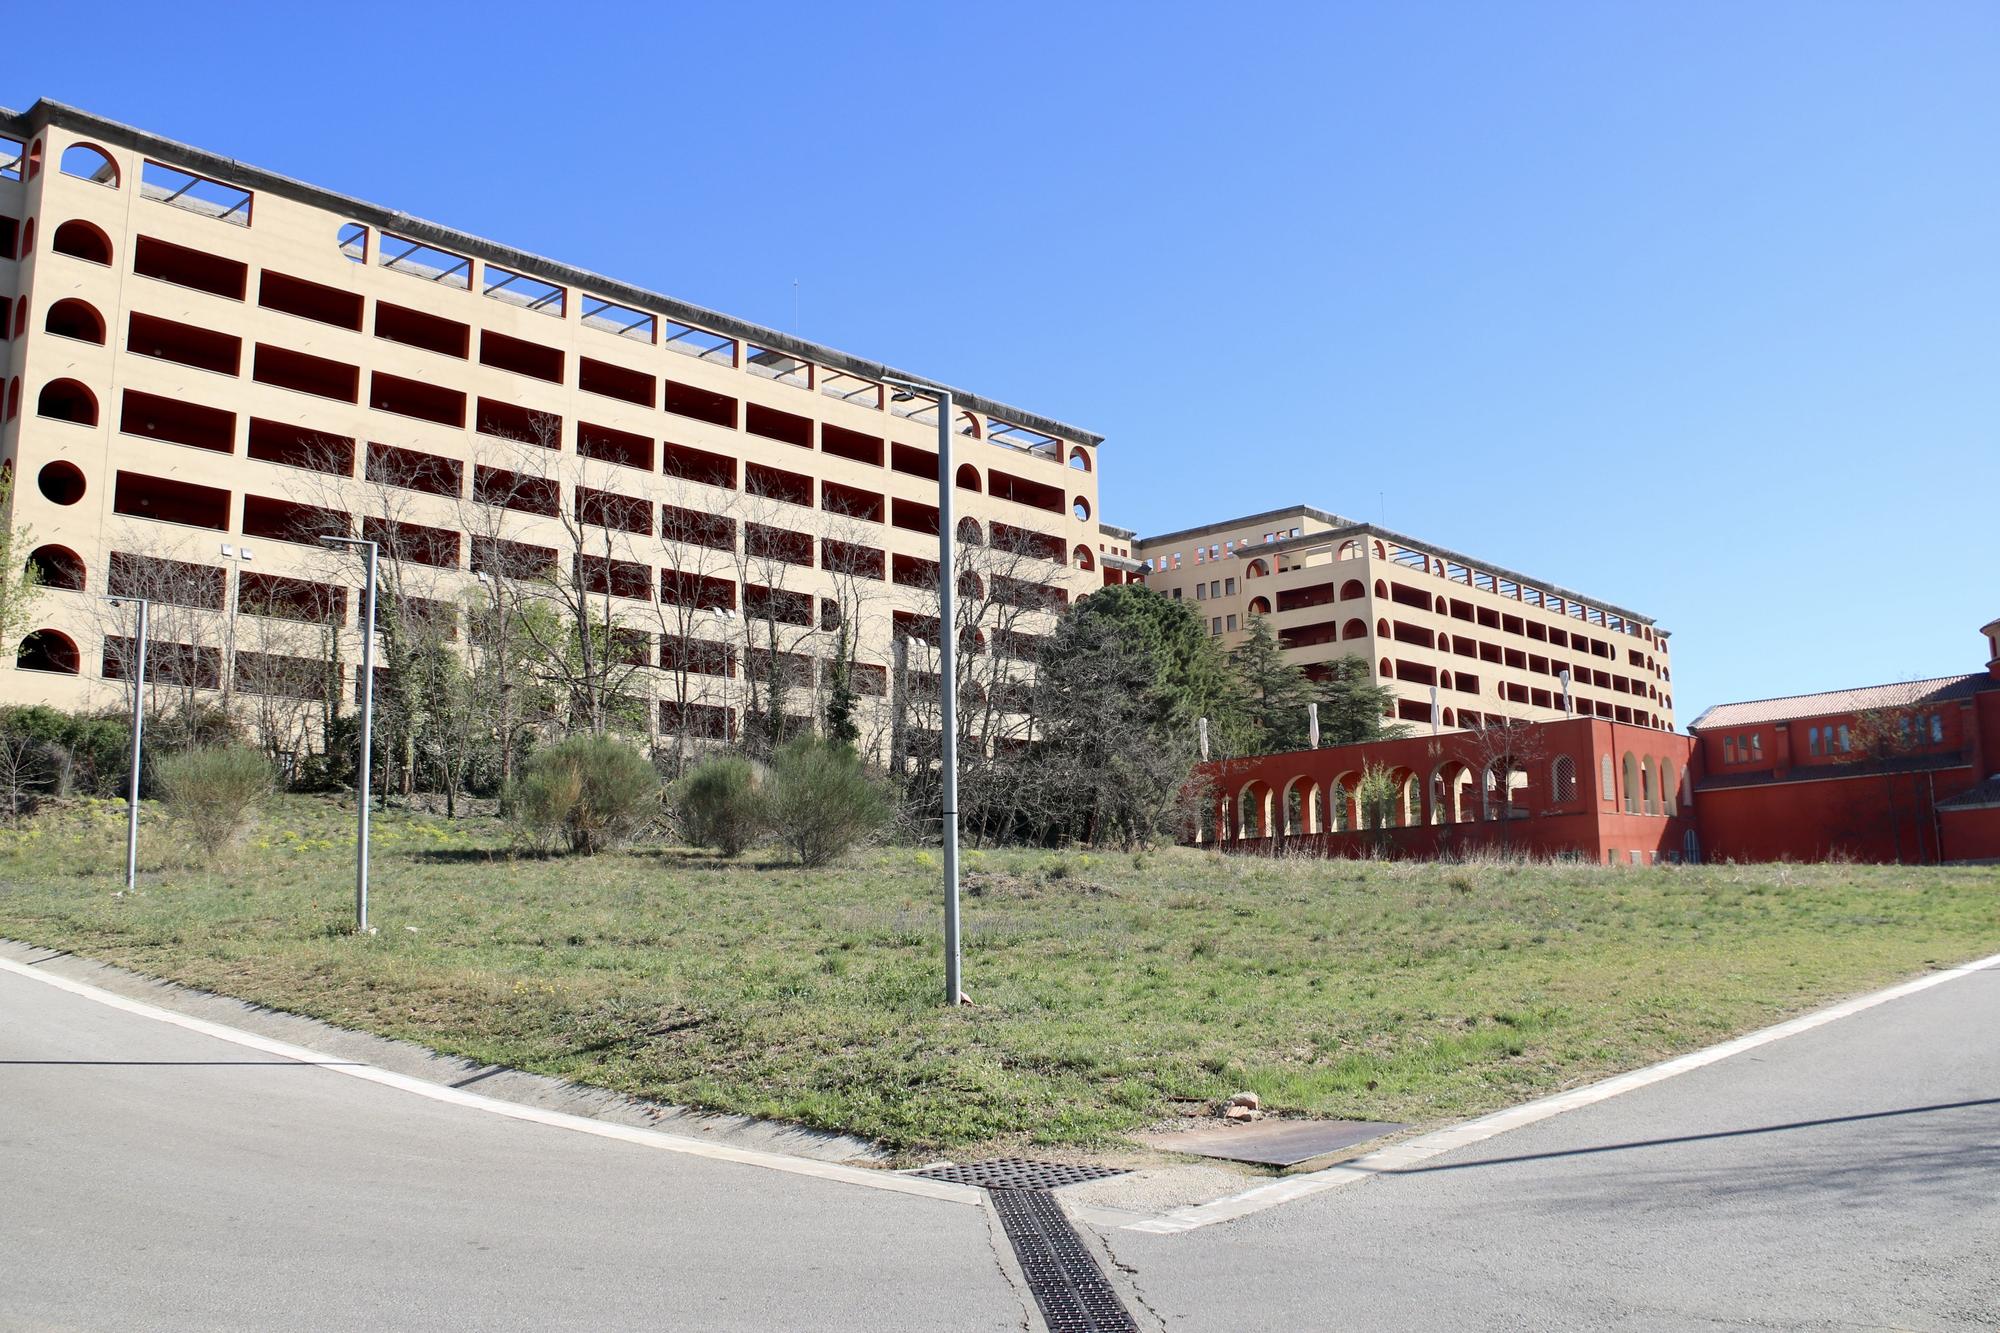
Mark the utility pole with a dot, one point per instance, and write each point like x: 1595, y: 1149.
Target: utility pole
x: 947, y: 678
x: 138, y: 734
x: 363, y: 782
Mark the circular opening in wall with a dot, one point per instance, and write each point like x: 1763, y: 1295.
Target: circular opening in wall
x: 61, y: 482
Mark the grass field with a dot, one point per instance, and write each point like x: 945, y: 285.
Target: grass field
x: 1105, y: 986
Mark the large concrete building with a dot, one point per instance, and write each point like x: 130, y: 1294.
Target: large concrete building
x: 207, y: 365
x: 1491, y: 643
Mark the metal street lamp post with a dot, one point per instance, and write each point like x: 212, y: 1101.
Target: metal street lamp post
x: 138, y: 733
x: 947, y: 678
x: 363, y: 783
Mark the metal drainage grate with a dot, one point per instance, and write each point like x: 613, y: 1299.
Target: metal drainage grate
x: 1068, y: 1285
x: 1017, y: 1173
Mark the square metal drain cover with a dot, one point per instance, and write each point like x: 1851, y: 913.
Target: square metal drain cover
x: 1017, y: 1173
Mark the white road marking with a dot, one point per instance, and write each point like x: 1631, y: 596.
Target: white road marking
x: 645, y: 1138
x: 1401, y: 1156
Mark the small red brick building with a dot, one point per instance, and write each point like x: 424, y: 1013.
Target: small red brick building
x: 1583, y: 788
x: 1905, y: 772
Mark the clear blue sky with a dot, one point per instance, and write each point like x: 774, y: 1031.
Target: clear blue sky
x: 1692, y: 307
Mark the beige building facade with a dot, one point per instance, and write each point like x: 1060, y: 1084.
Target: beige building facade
x: 1441, y: 629
x: 209, y: 365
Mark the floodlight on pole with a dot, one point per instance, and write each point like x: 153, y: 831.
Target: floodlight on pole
x: 905, y: 391
x: 363, y: 778
x: 138, y: 733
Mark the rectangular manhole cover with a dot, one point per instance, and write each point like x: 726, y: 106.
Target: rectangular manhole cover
x: 1269, y: 1142
x: 1017, y: 1173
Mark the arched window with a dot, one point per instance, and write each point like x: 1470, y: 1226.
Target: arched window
x: 58, y: 567
x: 1381, y: 588
x: 1562, y: 779
x: 61, y: 482
x: 1670, y: 794
x: 969, y: 533
x: 1441, y: 608
x: 1352, y: 588
x: 1381, y: 629
x: 1604, y: 781
x: 1081, y: 509
x: 71, y: 318
x: 1257, y: 569
x: 1649, y: 794
x: 1079, y: 458
x: 66, y: 400
x: 1381, y: 552
x: 48, y: 650
x: 1354, y: 629
x: 1388, y: 671
x: 35, y: 160
x: 1631, y: 784
x: 21, y: 312
x: 14, y: 398
x: 353, y: 241
x: 89, y: 163
x: 967, y: 477
x: 1447, y: 718
x: 1349, y: 550
x: 80, y: 240
x: 1260, y: 606
x: 1083, y: 558
x: 968, y: 424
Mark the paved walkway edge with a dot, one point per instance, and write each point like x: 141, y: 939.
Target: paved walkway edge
x: 802, y: 1166
x: 1401, y: 1156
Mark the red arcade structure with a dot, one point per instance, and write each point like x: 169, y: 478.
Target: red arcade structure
x: 1577, y: 788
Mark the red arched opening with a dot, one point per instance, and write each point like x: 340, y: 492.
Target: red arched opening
x: 967, y: 477
x: 81, y: 240
x: 1354, y: 629
x: 89, y: 162
x: 67, y: 400
x: 48, y: 650
x: 71, y: 318
x: 969, y: 532
x: 1260, y: 606
x: 1381, y: 588
x: 1079, y: 458
x: 1352, y: 588
x: 1084, y: 559
x: 58, y: 567
x: 1081, y: 509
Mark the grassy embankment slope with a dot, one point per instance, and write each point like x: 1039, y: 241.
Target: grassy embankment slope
x: 1105, y: 986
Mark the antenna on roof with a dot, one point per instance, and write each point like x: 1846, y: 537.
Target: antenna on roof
x: 795, y: 307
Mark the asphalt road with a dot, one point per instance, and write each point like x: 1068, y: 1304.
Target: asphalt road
x: 1844, y: 1178
x: 156, y: 1178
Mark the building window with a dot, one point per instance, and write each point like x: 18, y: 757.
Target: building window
x: 1215, y: 626
x: 1232, y: 622
x: 1229, y: 587
x: 1177, y: 594
x: 1757, y: 745
x: 1844, y: 746
x: 1812, y: 740
x: 1937, y: 728
x: 1728, y: 750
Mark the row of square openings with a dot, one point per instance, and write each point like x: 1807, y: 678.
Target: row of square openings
x: 213, y: 198
x: 441, y: 267
x: 207, y: 349
x: 157, y: 181
x: 190, y: 504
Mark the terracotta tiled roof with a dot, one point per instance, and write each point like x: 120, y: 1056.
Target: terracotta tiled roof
x: 1901, y: 694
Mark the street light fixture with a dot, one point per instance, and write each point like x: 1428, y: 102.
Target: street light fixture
x: 947, y: 676
x: 138, y: 732
x: 363, y: 777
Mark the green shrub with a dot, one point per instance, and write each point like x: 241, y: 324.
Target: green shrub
x: 719, y: 805
x: 820, y: 801
x: 585, y: 794
x: 213, y: 793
